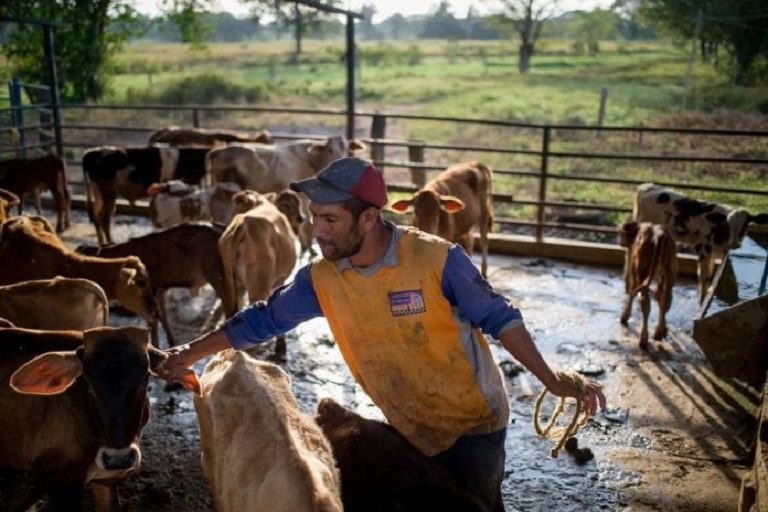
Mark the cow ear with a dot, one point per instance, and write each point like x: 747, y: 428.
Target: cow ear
x: 451, y: 204
x: 715, y: 218
x: 356, y: 146
x: 47, y: 374
x: 761, y: 218
x: 401, y: 206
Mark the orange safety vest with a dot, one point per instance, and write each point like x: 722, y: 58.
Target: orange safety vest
x: 403, y: 343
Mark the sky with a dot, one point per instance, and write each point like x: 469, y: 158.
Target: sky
x: 386, y: 8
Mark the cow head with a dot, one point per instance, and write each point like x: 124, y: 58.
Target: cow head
x: 289, y: 204
x: 133, y: 289
x: 427, y: 207
x: 114, y: 365
x: 322, y: 154
x: 628, y: 232
x: 737, y: 223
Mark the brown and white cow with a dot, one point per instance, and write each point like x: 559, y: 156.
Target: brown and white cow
x: 29, y: 249
x: 177, y: 136
x: 257, y: 248
x: 381, y: 471
x: 651, y: 257
x: 30, y: 175
x: 182, y: 256
x: 74, y: 404
x: 61, y: 303
x: 174, y: 202
x: 129, y: 172
x: 271, y: 168
x: 259, y: 450
x: 711, y: 229
x: 452, y: 204
x: 7, y: 201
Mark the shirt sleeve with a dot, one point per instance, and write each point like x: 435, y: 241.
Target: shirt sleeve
x: 285, y: 308
x: 466, y: 288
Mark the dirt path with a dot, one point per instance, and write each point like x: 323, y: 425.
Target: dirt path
x: 674, y: 438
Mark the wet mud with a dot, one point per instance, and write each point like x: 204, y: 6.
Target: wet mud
x: 673, y: 438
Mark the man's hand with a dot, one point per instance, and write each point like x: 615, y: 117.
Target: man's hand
x: 587, y: 392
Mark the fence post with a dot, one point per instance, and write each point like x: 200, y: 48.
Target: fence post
x: 416, y: 154
x: 601, y: 113
x: 196, y: 117
x: 17, y: 114
x: 543, y: 183
x: 378, y: 131
x: 53, y: 83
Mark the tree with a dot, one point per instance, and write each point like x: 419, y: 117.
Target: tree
x: 526, y: 17
x: 739, y: 26
x: 442, y: 24
x: 303, y: 19
x: 87, y: 35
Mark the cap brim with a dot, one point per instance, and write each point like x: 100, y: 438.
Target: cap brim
x: 319, y: 191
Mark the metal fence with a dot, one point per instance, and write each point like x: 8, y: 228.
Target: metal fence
x: 549, y: 180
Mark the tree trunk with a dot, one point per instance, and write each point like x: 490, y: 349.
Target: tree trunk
x: 524, y: 63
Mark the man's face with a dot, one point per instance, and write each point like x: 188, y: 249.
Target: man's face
x: 337, y: 232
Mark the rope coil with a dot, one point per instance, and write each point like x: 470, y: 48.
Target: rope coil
x: 561, y: 434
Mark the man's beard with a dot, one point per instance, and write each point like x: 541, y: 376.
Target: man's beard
x: 349, y: 247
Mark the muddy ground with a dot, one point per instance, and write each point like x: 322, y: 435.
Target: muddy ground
x: 674, y: 437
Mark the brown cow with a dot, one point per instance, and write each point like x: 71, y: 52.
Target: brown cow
x: 381, y: 471
x: 182, y: 256
x: 711, y: 229
x: 174, y: 202
x: 29, y: 249
x: 129, y: 172
x: 452, y: 204
x: 259, y: 451
x: 271, y: 168
x: 74, y: 404
x: 258, y: 250
x: 49, y: 172
x: 177, y: 136
x: 7, y: 201
x: 651, y: 257
x: 61, y: 303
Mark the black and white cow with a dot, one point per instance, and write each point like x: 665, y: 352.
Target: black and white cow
x: 711, y: 229
x: 129, y: 172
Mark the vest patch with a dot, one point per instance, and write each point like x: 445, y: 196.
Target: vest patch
x: 408, y: 302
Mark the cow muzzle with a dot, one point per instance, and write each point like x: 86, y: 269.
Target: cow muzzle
x: 111, y: 459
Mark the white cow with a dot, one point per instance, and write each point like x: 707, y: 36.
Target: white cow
x: 174, y: 202
x: 259, y: 450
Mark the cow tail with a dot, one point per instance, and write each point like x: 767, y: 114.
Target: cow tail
x: 655, y: 259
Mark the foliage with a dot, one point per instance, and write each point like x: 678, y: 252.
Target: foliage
x: 740, y: 26
x: 203, y: 89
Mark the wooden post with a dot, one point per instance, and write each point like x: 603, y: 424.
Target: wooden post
x: 601, y: 113
x: 416, y: 154
x: 378, y: 131
x: 196, y: 117
x: 543, y: 183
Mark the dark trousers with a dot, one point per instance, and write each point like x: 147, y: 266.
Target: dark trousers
x: 477, y: 461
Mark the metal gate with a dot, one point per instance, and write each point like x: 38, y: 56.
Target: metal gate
x: 27, y: 124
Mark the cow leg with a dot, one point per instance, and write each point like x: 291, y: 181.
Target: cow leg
x: 35, y: 192
x: 105, y: 498
x: 627, y: 311
x: 704, y: 275
x: 59, y: 203
x: 162, y: 312
x: 664, y: 298
x: 645, y: 307
x: 280, y: 348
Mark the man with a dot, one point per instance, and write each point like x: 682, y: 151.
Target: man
x: 406, y: 309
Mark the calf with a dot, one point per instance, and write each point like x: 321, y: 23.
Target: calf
x: 452, y: 204
x: 129, y: 172
x: 258, y: 250
x: 182, y: 256
x: 271, y: 168
x: 29, y: 249
x: 381, y: 471
x: 61, y: 303
x: 259, y: 451
x: 711, y: 229
x: 651, y: 256
x: 74, y: 404
x: 20, y: 176
x: 7, y: 201
x: 176, y: 136
x: 174, y: 202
